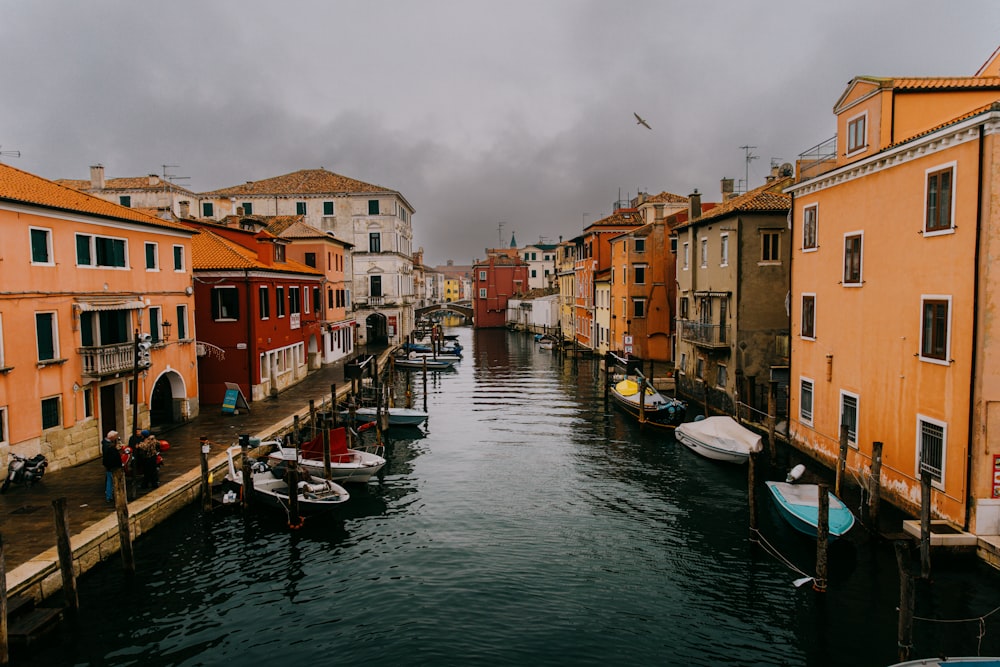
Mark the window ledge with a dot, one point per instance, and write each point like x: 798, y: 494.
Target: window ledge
x: 51, y: 362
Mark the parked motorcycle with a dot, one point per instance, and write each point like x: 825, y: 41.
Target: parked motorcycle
x: 24, y: 470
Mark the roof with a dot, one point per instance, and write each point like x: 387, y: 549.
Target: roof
x: 126, y: 183
x: 620, y: 218
x: 933, y: 82
x: 22, y: 187
x: 665, y: 198
x: 767, y: 198
x: 302, y: 182
x: 209, y: 251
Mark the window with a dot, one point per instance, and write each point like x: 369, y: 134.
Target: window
x: 638, y: 308
x: 178, y: 258
x: 856, y: 138
x: 704, y: 253
x: 182, y: 322
x: 88, y: 404
x: 940, y: 183
x: 683, y: 364
x: 375, y: 286
x: 3, y: 424
x: 294, y: 301
x: 2, y: 364
x: 51, y: 412
x: 482, y: 275
x: 125, y: 200
x: 317, y: 299
x: 640, y: 274
x: 374, y: 242
x: 769, y: 246
x: 207, y: 209
x: 809, y: 227
x: 225, y: 303
x: 934, y: 330
x: 100, y: 251
x: 808, y: 329
x: 300, y: 208
x: 279, y: 301
x: 852, y: 258
x: 279, y: 252
x: 687, y: 255
x: 372, y: 207
x: 684, y: 308
x: 46, y: 336
x: 155, y: 324
x: 264, y: 302
x: 640, y: 245
x: 328, y: 208
x: 534, y: 273
x: 720, y: 376
x: 41, y: 245
x: 329, y: 298
x: 152, y: 263
x: 724, y: 250
x: 932, y: 437
x: 311, y: 259
x: 806, y: 401
x: 849, y: 416
x: 482, y: 292
x: 699, y: 368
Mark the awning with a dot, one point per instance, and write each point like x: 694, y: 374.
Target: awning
x: 109, y: 304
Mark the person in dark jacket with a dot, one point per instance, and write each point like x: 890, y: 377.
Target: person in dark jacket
x: 148, y: 451
x: 112, y: 461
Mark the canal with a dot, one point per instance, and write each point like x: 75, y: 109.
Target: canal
x: 527, y: 523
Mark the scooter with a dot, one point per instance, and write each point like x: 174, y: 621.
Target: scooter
x: 24, y: 470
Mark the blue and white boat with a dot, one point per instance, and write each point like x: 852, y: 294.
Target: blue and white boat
x: 982, y: 661
x: 798, y: 504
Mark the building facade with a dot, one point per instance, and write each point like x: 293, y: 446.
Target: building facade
x: 498, y: 279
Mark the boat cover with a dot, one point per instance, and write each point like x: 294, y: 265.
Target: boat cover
x: 313, y: 449
x: 631, y: 388
x: 724, y: 432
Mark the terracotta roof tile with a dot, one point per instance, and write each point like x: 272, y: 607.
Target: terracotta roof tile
x: 210, y: 251
x: 625, y: 216
x: 767, y: 198
x: 667, y: 198
x: 125, y: 183
x: 20, y: 186
x: 303, y: 182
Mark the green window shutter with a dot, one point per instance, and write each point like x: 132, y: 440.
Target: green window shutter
x: 150, y: 256
x: 300, y: 208
x: 247, y: 208
x: 43, y: 332
x: 372, y: 207
x: 207, y: 210
x: 83, y: 257
x: 328, y: 208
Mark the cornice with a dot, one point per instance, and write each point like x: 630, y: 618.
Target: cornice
x: 928, y: 144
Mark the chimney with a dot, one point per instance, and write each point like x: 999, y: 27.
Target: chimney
x: 694, y: 205
x: 185, y: 208
x: 97, y: 177
x: 265, y: 251
x: 657, y: 212
x: 727, y: 189
x: 154, y: 179
x: 239, y: 210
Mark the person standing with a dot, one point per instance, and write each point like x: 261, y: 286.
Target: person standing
x: 149, y: 449
x: 112, y: 461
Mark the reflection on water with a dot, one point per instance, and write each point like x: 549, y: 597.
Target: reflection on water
x: 529, y: 522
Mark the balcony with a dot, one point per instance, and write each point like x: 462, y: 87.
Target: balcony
x: 704, y: 334
x: 107, y: 359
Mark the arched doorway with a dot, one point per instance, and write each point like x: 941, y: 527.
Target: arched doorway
x: 166, y: 399
x: 376, y: 329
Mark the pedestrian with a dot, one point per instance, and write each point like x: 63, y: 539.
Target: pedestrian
x: 149, y: 449
x: 112, y: 461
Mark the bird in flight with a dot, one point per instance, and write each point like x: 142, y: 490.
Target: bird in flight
x: 640, y: 121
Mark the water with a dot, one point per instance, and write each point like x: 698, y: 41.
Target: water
x: 527, y: 524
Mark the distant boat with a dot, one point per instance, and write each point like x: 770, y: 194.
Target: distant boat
x: 656, y: 407
x: 719, y: 438
x: 798, y: 504
x: 546, y: 343
x: 430, y: 363
x: 397, y: 416
x: 346, y: 465
x: 315, y: 496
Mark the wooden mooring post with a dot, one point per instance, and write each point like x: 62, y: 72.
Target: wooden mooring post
x: 772, y: 418
x: 4, y: 647
x: 292, y: 481
x: 904, y: 627
x: 752, y: 493
x: 121, y: 509
x: 312, y: 419
x: 424, y: 363
x: 822, y: 538
x: 206, y: 484
x: 925, y: 524
x: 841, y: 460
x: 247, y: 476
x: 327, y: 467
x: 333, y: 404
x: 65, y: 551
x: 642, y: 400
x: 875, y: 491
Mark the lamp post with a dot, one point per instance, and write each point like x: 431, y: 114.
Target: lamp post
x: 166, y: 326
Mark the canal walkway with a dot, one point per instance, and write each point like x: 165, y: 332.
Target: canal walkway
x: 27, y: 519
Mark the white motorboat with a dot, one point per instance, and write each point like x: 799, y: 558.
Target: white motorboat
x: 397, y: 416
x: 315, y: 496
x: 421, y: 363
x: 346, y: 465
x: 719, y: 438
x: 653, y: 406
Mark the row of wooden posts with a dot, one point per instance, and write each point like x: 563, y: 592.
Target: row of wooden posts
x: 902, y: 547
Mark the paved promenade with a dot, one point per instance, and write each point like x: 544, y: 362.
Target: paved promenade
x: 27, y: 523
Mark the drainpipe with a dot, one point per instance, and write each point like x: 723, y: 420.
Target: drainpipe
x: 969, y: 496
x: 251, y: 346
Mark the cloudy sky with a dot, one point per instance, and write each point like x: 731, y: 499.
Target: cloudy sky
x: 480, y: 113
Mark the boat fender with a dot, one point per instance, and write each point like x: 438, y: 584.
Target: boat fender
x: 365, y: 426
x: 699, y: 418
x: 795, y: 473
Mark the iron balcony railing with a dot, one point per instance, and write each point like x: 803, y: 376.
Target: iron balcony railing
x: 704, y: 334
x: 107, y: 359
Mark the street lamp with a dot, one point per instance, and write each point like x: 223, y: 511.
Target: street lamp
x: 166, y: 330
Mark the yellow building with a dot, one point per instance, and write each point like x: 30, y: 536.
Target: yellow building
x: 893, y: 297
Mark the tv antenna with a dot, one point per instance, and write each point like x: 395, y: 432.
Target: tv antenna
x: 500, y: 234
x: 4, y: 153
x: 748, y: 150
x: 171, y: 177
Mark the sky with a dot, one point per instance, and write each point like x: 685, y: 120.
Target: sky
x: 492, y: 119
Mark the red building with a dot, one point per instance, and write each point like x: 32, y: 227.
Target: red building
x: 495, y: 280
x: 258, y: 314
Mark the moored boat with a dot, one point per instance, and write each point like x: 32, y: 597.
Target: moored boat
x: 798, y: 504
x: 653, y: 406
x: 719, y: 438
x: 315, y: 496
x: 430, y: 363
x: 397, y: 416
x: 346, y: 465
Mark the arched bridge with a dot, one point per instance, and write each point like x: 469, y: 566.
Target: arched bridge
x: 460, y: 307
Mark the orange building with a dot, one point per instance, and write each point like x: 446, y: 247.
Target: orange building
x: 894, y: 296
x: 81, y: 278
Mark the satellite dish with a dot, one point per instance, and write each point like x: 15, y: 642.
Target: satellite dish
x: 786, y: 169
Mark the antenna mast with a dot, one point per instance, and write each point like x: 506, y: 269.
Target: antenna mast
x: 500, y: 234
x: 748, y: 150
x: 9, y: 153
